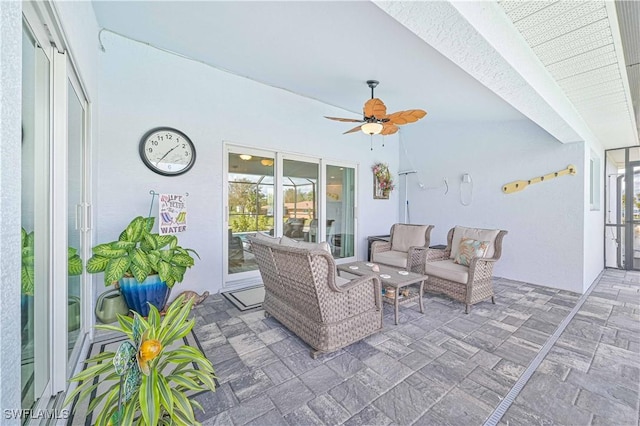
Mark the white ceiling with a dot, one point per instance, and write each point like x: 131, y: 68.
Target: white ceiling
x: 326, y: 51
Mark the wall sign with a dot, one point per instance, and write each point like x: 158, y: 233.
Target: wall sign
x: 172, y: 214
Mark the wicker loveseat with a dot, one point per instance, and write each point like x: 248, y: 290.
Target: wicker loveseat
x: 467, y: 284
x: 405, y: 249
x: 304, y: 293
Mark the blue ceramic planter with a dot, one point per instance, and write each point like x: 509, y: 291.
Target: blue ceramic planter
x: 137, y: 294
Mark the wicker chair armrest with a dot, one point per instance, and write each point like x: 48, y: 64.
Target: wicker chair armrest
x: 436, y: 254
x: 416, y: 258
x: 480, y: 268
x: 380, y: 246
x: 361, y: 284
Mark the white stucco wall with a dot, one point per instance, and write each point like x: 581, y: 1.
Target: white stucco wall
x: 593, y: 218
x: 142, y: 88
x: 545, y: 221
x: 10, y: 117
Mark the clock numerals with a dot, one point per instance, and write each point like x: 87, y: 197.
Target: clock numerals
x: 167, y: 151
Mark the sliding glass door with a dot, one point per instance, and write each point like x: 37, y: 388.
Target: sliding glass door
x: 299, y: 199
x: 340, y: 210
x: 35, y: 297
x: 280, y: 194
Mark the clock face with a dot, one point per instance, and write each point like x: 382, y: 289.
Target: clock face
x: 167, y: 151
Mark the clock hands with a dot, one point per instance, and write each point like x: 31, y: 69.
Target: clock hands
x: 167, y: 153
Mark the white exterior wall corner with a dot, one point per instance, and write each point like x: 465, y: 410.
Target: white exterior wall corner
x: 10, y: 160
x: 594, y: 232
x: 545, y: 241
x: 142, y: 88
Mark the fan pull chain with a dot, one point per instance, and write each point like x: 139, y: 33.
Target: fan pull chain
x: 371, y: 140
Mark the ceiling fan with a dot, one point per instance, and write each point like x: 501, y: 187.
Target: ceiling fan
x: 375, y: 118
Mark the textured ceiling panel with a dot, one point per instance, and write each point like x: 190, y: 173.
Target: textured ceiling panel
x: 576, y: 41
x: 543, y: 33
x: 629, y: 19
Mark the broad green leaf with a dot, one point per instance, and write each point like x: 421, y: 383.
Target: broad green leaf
x: 164, y: 270
x: 107, y: 250
x: 164, y: 240
x: 182, y: 260
x: 154, y: 320
x: 116, y: 268
x: 111, y: 404
x: 130, y: 409
x: 74, y: 265
x: 27, y: 280
x: 97, y: 264
x: 148, y: 223
x: 166, y: 255
x: 150, y: 241
x: 126, y: 245
x: 139, y: 274
x: 139, y: 258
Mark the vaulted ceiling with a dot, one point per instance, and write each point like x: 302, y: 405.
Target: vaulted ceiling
x: 460, y: 61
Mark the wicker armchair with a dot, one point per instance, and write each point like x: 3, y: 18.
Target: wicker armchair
x: 467, y: 284
x: 304, y: 293
x: 406, y: 248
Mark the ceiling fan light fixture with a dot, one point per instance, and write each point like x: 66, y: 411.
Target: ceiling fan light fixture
x: 245, y: 157
x: 371, y: 128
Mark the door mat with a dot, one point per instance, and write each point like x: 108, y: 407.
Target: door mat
x: 247, y: 298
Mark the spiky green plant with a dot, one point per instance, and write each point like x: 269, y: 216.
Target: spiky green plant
x: 158, y: 398
x: 139, y: 253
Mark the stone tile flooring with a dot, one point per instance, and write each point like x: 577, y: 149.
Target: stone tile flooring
x: 443, y: 367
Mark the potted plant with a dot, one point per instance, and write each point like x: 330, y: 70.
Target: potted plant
x: 145, y: 265
x: 147, y: 378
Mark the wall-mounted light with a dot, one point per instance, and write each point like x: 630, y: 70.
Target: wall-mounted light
x: 266, y: 162
x: 245, y: 157
x: 371, y: 128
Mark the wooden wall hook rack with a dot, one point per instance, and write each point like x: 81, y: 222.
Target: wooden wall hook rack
x: 519, y: 185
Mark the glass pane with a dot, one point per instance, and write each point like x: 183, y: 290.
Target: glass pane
x: 75, y: 122
x: 300, y: 200
x: 35, y: 224
x: 340, y: 194
x: 250, y: 206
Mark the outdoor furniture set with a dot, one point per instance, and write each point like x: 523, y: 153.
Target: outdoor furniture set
x: 305, y: 293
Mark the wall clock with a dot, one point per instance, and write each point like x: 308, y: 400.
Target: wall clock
x: 167, y: 151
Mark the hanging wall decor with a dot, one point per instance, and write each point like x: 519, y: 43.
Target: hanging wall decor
x: 519, y: 185
x: 382, y: 181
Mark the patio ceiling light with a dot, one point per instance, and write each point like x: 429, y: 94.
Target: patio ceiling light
x: 245, y: 157
x: 266, y: 162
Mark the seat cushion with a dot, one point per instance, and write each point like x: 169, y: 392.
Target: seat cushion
x: 468, y: 249
x: 477, y: 234
x: 447, y: 270
x: 406, y: 236
x: 286, y: 241
x: 392, y: 258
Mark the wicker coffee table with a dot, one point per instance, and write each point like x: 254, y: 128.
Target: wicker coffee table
x: 391, y: 278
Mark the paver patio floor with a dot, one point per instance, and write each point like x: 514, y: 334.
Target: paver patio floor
x: 438, y: 368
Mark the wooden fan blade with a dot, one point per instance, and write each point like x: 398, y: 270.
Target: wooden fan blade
x: 348, y: 120
x: 389, y: 128
x: 408, y: 116
x: 355, y: 129
x: 374, y: 108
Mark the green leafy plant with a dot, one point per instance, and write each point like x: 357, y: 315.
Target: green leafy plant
x: 147, y: 378
x: 139, y: 253
x: 74, y: 263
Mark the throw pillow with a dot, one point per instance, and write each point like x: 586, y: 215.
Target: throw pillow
x: 290, y: 242
x: 468, y: 249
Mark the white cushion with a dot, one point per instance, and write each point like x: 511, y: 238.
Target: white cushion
x: 286, y: 241
x: 447, y: 270
x: 406, y: 236
x: 461, y: 232
x: 391, y: 258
